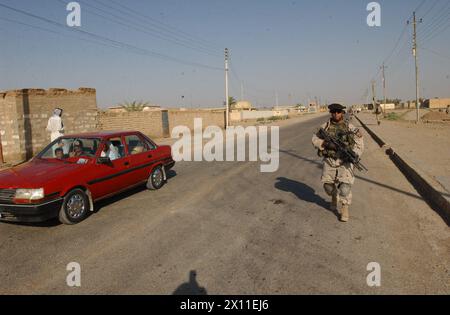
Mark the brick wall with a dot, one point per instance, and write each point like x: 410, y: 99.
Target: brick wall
x: 149, y: 123
x: 186, y: 118
x: 25, y: 113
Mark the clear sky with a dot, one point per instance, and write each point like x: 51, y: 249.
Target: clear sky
x: 296, y: 49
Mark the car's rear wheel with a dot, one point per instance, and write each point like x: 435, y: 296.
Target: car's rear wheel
x: 74, y: 208
x: 156, y: 179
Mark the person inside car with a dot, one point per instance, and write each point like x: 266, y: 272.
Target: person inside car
x: 77, y: 149
x: 59, y: 153
x: 109, y: 150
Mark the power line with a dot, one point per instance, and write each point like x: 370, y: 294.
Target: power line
x: 144, y: 29
x: 166, y: 27
x: 55, y: 32
x: 389, y: 56
x: 436, y: 21
x: 396, y: 44
x: 436, y: 53
x: 430, y: 9
x: 437, y: 34
x: 437, y: 31
x: 156, y: 28
x: 123, y: 45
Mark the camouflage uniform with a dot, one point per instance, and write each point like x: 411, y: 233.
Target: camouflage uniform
x: 336, y: 173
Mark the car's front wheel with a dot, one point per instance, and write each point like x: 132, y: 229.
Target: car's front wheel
x: 74, y: 208
x: 156, y: 179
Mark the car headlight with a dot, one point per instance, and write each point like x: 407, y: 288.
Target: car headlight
x: 30, y: 194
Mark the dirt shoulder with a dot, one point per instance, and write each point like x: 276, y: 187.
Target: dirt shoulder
x: 425, y: 146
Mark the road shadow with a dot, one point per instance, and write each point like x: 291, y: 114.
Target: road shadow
x: 171, y: 174
x: 303, y: 192
x: 126, y: 194
x: 191, y: 287
x: 319, y: 165
x: 48, y: 224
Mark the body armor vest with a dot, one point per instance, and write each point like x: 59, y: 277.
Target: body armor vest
x: 342, y: 132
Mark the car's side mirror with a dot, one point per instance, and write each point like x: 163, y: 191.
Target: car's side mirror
x: 103, y: 160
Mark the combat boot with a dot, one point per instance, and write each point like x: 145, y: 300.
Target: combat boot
x: 344, y: 213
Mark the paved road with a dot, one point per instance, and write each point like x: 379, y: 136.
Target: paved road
x: 226, y: 228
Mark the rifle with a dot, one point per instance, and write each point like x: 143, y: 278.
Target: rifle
x: 346, y: 153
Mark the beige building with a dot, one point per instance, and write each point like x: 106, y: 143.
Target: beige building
x: 437, y: 103
x: 242, y: 105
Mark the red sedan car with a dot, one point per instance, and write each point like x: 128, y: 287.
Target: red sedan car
x: 73, y: 172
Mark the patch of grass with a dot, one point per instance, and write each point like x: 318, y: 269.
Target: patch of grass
x: 275, y: 118
x: 392, y: 116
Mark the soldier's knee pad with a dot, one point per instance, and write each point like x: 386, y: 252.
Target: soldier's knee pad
x: 345, y: 190
x: 329, y: 188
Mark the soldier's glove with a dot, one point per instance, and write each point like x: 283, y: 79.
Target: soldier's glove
x: 329, y: 146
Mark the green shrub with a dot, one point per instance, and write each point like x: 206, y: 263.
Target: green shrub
x: 392, y: 116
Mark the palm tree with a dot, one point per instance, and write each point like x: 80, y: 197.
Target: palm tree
x: 232, y: 101
x: 135, y: 106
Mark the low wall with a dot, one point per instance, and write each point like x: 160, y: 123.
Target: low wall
x: 186, y: 118
x: 149, y: 123
x: 257, y: 114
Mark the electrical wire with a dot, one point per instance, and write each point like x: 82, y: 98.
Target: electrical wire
x: 122, y: 45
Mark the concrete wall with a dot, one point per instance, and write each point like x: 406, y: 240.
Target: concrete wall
x: 25, y: 113
x: 149, y: 123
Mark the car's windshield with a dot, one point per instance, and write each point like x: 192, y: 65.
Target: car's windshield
x: 65, y: 148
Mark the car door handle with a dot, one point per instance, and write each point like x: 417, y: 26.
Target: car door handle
x: 149, y: 156
x: 126, y: 163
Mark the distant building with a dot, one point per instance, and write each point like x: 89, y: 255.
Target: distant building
x: 387, y: 106
x: 437, y: 103
x: 242, y: 105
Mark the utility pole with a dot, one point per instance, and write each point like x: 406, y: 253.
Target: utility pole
x: 242, y: 90
x: 384, y: 89
x: 276, y: 99
x: 227, y: 101
x: 414, y: 23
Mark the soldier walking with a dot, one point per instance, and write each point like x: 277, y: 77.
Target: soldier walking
x: 338, y: 174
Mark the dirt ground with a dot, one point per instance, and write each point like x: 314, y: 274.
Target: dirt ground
x: 240, y: 231
x: 426, y: 145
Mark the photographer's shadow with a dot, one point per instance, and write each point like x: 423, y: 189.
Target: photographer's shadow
x: 303, y: 192
x: 191, y: 287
